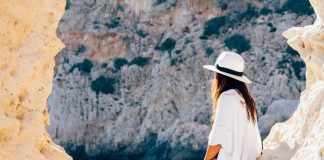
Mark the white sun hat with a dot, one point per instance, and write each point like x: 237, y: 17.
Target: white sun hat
x: 229, y: 64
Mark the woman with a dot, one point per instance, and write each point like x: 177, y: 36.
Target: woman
x: 235, y: 134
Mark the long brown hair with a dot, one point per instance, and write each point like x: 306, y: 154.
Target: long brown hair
x: 221, y: 83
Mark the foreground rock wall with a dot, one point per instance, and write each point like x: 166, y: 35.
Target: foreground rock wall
x: 28, y: 44
x: 302, y: 136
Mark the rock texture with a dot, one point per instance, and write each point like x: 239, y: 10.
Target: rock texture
x: 302, y: 136
x: 130, y: 82
x: 278, y: 111
x: 28, y: 44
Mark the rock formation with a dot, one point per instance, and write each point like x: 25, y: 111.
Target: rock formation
x: 302, y: 136
x: 28, y: 44
x: 278, y: 111
x: 130, y: 82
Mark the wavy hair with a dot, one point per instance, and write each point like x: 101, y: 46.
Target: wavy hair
x: 221, y: 83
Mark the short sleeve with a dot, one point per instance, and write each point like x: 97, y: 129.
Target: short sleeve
x: 221, y: 132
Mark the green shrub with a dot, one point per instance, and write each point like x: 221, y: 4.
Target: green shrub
x: 264, y: 110
x: 250, y: 13
x: 158, y: 2
x: 283, y: 63
x: 265, y: 11
x: 212, y: 26
x: 174, y: 61
x: 96, y: 25
x: 120, y: 8
x: 298, y: 66
x: 167, y: 45
x: 237, y: 42
x: 75, y: 151
x: 291, y: 51
x: 81, y: 49
x: 187, y: 41
x: 273, y: 29
x: 83, y: 67
x: 114, y: 23
x: 104, y: 65
x: 104, y: 85
x: 222, y: 5
x: 120, y: 62
x: 203, y: 37
x: 209, y: 51
x: 299, y: 7
x: 140, y: 61
x: 113, y: 70
x: 141, y: 33
x: 178, y: 51
x: 68, y: 4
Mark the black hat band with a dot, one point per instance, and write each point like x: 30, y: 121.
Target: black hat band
x: 229, y: 71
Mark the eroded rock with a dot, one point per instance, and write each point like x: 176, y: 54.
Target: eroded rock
x: 28, y: 44
x: 302, y: 137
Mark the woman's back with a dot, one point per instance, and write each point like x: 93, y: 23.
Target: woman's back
x: 235, y: 134
x: 240, y: 138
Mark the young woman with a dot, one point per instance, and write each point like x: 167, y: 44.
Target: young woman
x: 235, y: 134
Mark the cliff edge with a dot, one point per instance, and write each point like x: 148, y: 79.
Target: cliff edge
x: 28, y: 44
x: 302, y: 136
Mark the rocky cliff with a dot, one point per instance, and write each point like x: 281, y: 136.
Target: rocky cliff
x: 302, y: 136
x: 28, y: 44
x: 130, y: 82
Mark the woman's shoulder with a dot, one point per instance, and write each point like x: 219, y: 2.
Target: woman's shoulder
x: 231, y: 95
x: 230, y: 92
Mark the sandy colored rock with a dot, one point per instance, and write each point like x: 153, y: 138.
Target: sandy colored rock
x: 28, y: 44
x: 302, y: 137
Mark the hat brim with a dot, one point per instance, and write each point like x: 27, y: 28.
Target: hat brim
x: 240, y: 78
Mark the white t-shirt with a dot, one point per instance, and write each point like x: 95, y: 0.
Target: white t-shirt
x: 239, y: 138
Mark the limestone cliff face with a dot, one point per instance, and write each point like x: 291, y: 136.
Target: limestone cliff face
x: 302, y: 136
x: 28, y: 44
